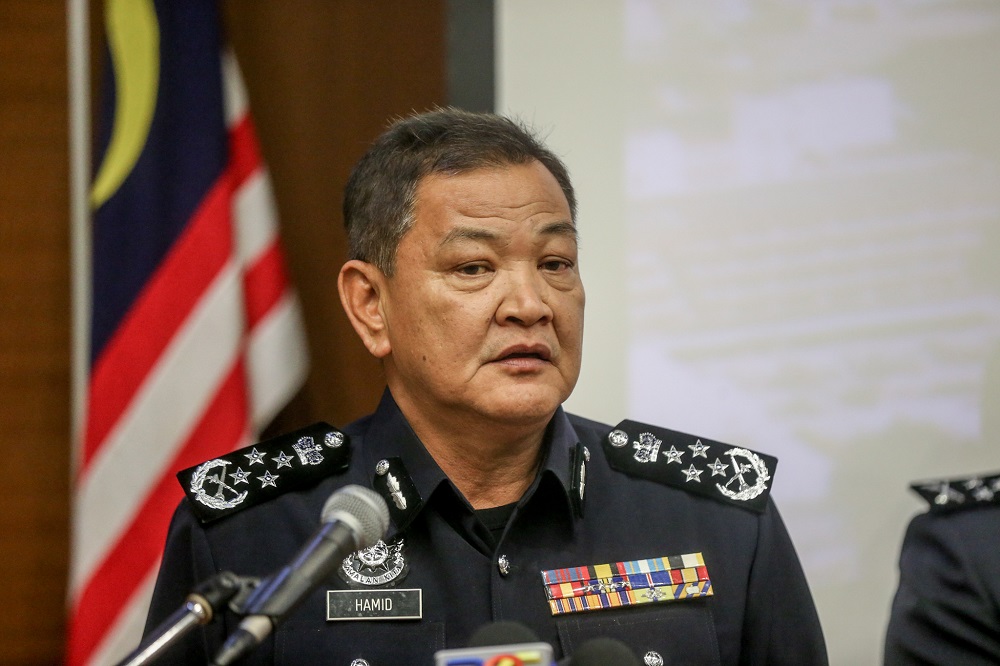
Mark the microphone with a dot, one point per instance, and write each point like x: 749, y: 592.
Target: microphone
x: 499, y: 644
x: 200, y: 607
x: 508, y: 643
x: 353, y: 518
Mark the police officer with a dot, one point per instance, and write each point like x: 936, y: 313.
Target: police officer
x: 947, y: 606
x: 464, y: 280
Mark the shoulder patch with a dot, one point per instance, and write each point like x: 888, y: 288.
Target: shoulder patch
x: 960, y: 493
x: 254, y: 474
x: 729, y: 474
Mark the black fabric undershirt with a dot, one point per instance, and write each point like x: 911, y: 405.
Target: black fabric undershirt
x: 495, y: 519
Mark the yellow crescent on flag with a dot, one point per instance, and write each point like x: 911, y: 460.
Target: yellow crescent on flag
x: 134, y: 41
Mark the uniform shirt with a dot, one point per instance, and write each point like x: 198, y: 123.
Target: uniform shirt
x: 761, y: 611
x: 947, y: 607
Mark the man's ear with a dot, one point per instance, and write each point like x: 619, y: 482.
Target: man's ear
x: 361, y: 288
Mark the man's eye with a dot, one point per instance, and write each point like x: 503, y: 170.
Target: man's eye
x: 472, y: 269
x: 556, y: 265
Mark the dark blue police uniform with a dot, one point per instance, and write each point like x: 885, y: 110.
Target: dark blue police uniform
x: 947, y: 606
x: 580, y: 512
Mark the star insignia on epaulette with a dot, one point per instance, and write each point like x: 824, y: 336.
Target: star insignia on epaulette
x: 718, y: 468
x: 216, y: 487
x: 699, y: 449
x: 693, y: 474
x: 239, y: 476
x: 255, y: 457
x: 963, y: 492
x: 744, y: 479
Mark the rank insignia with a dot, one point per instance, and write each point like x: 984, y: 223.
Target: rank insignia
x: 596, y: 587
x: 730, y: 474
x: 257, y: 473
x: 946, y: 494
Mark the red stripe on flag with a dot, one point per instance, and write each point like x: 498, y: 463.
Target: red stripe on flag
x: 264, y: 284
x: 111, y: 586
x: 167, y: 300
x: 244, y: 151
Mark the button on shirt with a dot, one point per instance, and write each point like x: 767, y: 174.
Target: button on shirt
x: 761, y: 611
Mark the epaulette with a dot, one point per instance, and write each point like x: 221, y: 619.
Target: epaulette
x: 729, y: 474
x: 970, y: 491
x: 257, y: 473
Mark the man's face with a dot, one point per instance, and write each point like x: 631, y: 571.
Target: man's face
x: 484, y: 315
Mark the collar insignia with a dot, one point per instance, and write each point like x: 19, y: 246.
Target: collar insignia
x: 393, y: 483
x: 579, y: 457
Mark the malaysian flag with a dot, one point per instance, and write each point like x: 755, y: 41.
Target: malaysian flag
x: 195, y: 335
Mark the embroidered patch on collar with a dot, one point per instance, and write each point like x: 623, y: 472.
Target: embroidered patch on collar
x: 729, y: 474
x: 238, y: 480
x: 600, y: 586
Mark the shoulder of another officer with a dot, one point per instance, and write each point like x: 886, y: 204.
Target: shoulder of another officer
x: 730, y: 474
x: 959, y: 493
x: 260, y: 472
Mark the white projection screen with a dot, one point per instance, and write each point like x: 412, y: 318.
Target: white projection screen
x: 790, y: 228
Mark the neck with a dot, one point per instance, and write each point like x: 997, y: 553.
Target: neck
x: 492, y: 474
x: 490, y: 464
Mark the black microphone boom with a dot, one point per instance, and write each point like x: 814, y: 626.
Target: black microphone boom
x: 353, y: 518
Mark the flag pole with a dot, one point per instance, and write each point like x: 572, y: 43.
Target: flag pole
x: 78, y: 55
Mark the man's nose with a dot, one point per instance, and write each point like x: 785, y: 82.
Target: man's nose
x: 524, y: 300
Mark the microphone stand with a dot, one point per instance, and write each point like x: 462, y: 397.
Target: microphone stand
x: 198, y: 609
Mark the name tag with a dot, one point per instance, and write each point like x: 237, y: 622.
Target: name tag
x: 374, y: 604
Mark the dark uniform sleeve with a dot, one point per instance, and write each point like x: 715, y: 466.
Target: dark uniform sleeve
x: 781, y: 625
x: 943, y: 611
x: 187, y: 561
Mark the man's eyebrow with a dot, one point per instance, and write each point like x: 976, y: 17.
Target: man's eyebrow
x: 468, y: 233
x: 561, y: 228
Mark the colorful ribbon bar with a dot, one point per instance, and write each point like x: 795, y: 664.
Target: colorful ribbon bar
x: 576, y: 589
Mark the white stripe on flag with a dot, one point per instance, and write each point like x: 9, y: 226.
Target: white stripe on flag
x: 254, y: 217
x: 277, y: 361
x: 234, y: 93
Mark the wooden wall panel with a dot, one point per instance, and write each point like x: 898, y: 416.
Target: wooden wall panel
x: 34, y: 334
x: 323, y: 78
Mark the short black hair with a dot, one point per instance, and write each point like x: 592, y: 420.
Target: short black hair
x: 381, y: 191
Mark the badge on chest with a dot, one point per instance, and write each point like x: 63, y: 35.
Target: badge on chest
x: 372, y: 574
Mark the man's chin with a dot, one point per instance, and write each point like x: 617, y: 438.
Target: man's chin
x: 523, y: 407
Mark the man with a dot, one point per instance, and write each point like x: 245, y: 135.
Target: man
x: 947, y: 606
x: 464, y: 280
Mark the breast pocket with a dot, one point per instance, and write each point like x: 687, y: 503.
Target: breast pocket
x: 679, y: 633
x: 378, y: 643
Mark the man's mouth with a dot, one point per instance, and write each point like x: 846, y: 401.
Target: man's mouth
x: 539, y: 352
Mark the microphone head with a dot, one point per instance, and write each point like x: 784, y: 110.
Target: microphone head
x: 506, y: 632
x: 363, y: 508
x: 603, y: 651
